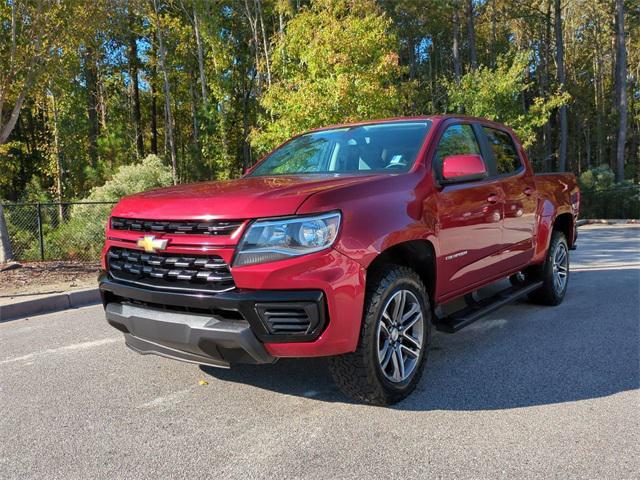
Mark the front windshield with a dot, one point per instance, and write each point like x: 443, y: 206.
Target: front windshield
x: 381, y: 147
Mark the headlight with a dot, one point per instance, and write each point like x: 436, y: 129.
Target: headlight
x: 274, y: 239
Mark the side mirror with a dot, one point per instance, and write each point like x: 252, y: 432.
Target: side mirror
x: 463, y: 168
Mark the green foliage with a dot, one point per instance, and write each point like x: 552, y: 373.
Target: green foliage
x: 82, y: 234
x: 129, y: 179
x: 497, y: 93
x: 34, y: 192
x: 599, y: 178
x: 277, y: 67
x: 603, y: 198
x: 336, y: 63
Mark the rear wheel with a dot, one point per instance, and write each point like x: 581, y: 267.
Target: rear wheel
x: 395, y: 335
x: 554, y: 273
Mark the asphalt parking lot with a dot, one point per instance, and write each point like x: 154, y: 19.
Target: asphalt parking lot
x: 527, y: 392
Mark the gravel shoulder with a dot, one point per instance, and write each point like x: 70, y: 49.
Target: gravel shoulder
x: 40, y: 278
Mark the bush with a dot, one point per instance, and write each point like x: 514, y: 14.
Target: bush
x: 603, y: 198
x: 129, y: 179
x: 598, y: 178
x: 82, y: 235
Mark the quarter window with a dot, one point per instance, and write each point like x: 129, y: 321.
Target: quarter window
x: 504, y: 151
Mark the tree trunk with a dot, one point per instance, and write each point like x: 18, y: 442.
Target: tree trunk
x: 564, y: 129
x: 58, y: 153
x: 91, y: 78
x: 6, y: 254
x: 471, y: 35
x: 494, y: 34
x: 32, y: 72
x: 546, y: 62
x: 253, y: 24
x: 135, y: 88
x: 621, y: 87
x: 264, y: 41
x: 196, y: 30
x: 167, y: 96
x: 456, y: 51
x: 196, y: 126
x: 154, y: 116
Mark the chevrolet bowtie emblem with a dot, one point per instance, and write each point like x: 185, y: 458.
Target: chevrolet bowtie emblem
x: 151, y: 243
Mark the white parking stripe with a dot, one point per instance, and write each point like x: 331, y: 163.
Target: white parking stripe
x: 65, y: 349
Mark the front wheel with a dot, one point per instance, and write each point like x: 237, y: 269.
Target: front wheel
x: 554, y: 273
x: 395, y: 336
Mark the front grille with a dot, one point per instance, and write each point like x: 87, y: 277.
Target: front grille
x: 169, y: 271
x: 199, y: 227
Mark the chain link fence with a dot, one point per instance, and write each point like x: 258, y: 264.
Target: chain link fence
x: 57, y: 231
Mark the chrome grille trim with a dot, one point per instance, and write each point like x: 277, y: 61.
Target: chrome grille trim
x: 181, y: 227
x: 202, y: 273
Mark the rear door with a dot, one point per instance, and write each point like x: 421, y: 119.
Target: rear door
x: 520, y: 201
x: 469, y: 216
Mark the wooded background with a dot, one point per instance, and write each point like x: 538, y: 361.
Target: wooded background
x: 209, y: 86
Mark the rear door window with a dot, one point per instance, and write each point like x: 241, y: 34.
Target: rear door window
x: 504, y: 151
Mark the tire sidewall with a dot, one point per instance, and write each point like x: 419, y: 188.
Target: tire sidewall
x: 557, y: 240
x: 402, y: 283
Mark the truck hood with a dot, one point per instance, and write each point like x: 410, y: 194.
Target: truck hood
x: 249, y: 197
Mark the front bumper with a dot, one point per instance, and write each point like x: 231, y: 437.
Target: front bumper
x: 191, y: 338
x: 228, y: 327
x: 329, y: 280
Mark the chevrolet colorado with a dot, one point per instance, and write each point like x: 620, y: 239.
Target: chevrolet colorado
x: 348, y: 242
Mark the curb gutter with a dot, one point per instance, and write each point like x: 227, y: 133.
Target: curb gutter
x: 51, y: 303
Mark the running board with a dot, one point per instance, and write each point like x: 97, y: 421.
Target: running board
x: 479, y: 309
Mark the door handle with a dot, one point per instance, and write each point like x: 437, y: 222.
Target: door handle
x: 528, y: 191
x: 493, y: 198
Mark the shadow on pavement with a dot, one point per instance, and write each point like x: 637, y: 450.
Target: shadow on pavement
x: 523, y: 355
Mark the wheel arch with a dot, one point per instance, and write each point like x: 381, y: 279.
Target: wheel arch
x: 418, y: 255
x: 564, y: 223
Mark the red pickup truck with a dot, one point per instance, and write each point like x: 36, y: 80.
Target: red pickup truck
x: 348, y: 242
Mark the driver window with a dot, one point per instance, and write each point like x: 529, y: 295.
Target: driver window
x: 456, y: 140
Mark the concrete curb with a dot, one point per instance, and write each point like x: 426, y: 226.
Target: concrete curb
x: 600, y: 221
x: 51, y: 303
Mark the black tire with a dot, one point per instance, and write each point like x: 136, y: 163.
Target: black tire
x: 359, y: 374
x: 549, y: 293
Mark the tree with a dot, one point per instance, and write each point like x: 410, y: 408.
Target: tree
x: 457, y: 68
x: 136, y: 115
x: 6, y: 254
x: 327, y: 61
x: 167, y: 94
x: 33, y: 28
x: 326, y: 77
x: 621, y: 89
x: 495, y: 94
x: 564, y: 127
x: 471, y: 34
x: 91, y: 80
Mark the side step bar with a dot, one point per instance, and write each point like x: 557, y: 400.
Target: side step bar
x: 476, y: 310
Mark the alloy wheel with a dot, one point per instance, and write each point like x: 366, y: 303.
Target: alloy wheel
x: 400, y: 336
x: 560, y: 268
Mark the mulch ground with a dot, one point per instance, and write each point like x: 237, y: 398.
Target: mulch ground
x: 46, y: 277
